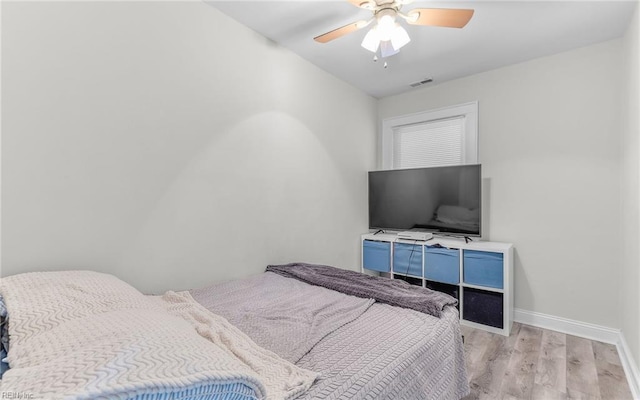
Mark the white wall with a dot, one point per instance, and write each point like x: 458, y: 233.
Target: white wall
x: 549, y: 137
x: 170, y: 145
x: 630, y: 276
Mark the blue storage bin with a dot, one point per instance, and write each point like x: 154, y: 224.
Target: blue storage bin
x: 376, y: 256
x: 407, y: 259
x: 483, y: 268
x: 442, y: 265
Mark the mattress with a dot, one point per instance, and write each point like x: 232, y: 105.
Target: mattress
x: 366, y: 351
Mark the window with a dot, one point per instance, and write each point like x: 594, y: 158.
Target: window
x: 447, y: 136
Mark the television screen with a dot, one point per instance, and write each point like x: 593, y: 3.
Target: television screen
x: 440, y: 199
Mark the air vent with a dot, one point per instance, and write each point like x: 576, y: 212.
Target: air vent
x: 427, y: 80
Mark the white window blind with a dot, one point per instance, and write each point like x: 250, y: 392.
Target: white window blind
x: 429, y: 143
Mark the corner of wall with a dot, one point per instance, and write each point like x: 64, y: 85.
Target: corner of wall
x: 630, y: 201
x: 630, y: 365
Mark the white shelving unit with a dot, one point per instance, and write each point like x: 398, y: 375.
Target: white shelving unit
x: 479, y: 273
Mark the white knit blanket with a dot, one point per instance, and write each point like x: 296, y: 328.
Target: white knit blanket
x: 86, y: 335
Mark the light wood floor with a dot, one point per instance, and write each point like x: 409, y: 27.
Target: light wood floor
x: 534, y: 363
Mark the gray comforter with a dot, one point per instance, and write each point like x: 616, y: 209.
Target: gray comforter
x: 361, y: 350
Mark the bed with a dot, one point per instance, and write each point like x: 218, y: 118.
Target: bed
x: 294, y: 340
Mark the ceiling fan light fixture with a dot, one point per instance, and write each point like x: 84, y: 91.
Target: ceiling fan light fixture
x: 386, y: 26
x: 387, y: 50
x: 399, y: 38
x: 371, y: 40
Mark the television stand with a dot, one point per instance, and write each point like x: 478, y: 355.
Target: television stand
x: 478, y: 274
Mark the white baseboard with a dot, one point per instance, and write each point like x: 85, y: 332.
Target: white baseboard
x: 630, y: 366
x: 570, y: 326
x: 588, y: 331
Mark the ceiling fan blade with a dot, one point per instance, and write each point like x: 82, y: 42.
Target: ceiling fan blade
x: 336, y: 33
x: 367, y: 4
x: 445, y: 17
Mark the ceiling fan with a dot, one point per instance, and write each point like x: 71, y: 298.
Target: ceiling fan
x: 387, y: 34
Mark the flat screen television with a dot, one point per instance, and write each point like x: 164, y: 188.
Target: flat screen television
x: 439, y: 199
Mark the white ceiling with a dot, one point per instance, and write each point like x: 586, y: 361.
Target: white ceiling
x: 500, y: 33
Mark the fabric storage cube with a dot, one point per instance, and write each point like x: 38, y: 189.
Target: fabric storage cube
x: 482, y: 307
x: 376, y: 256
x: 483, y: 268
x: 407, y: 259
x: 442, y: 265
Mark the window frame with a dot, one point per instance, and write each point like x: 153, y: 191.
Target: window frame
x: 468, y: 110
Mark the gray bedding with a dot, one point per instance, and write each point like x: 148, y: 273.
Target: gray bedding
x: 389, y: 291
x: 390, y: 354
x: 361, y: 350
x: 283, y: 315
